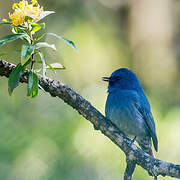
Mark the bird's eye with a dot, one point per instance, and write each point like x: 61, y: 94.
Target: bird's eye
x: 117, y: 78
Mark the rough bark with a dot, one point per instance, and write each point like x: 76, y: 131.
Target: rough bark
x: 132, y: 152
x: 130, y: 167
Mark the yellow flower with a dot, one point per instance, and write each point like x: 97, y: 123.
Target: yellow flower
x: 4, y: 20
x: 23, y: 9
x: 34, y: 2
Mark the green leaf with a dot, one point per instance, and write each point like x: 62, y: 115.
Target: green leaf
x: 50, y: 67
x: 71, y: 43
x: 39, y: 37
x: 35, y: 27
x: 11, y: 37
x: 43, y: 25
x: 27, y: 39
x: 30, y: 83
x: 44, y: 14
x: 32, y: 89
x: 14, y: 77
x: 26, y: 51
x: 44, y: 64
x: 5, y: 23
x: 45, y: 44
x: 19, y: 30
x: 28, y: 19
x: 55, y: 66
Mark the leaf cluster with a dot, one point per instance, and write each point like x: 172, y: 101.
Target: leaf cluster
x: 32, y: 45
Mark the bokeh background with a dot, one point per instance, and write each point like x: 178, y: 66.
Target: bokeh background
x: 45, y: 139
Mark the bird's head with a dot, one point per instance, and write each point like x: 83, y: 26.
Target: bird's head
x: 122, y: 79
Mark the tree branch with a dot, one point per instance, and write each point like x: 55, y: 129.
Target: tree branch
x: 132, y: 152
x: 129, y: 169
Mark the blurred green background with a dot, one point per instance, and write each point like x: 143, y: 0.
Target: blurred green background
x: 45, y: 139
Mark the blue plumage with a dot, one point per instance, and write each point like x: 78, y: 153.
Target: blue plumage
x: 128, y: 108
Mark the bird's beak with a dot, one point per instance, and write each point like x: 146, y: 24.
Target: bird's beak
x: 106, y: 79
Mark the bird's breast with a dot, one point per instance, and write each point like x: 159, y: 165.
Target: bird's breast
x: 122, y: 111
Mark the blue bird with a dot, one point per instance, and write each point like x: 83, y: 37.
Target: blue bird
x: 128, y: 108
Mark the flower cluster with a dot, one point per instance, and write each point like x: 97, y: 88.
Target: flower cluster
x: 24, y: 24
x: 23, y: 10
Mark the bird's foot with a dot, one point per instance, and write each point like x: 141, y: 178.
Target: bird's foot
x: 132, y: 141
x: 152, y: 174
x: 96, y: 127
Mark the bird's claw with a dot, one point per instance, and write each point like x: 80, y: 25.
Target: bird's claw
x: 132, y: 141
x: 152, y: 174
x: 96, y: 127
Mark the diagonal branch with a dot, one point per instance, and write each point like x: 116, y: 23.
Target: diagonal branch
x: 129, y: 169
x: 132, y: 152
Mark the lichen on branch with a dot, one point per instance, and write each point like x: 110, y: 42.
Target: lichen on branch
x: 69, y: 96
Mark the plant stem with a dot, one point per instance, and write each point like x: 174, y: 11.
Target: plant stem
x: 32, y: 61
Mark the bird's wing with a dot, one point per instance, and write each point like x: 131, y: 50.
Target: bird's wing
x: 142, y: 105
x: 151, y: 127
x: 145, y: 110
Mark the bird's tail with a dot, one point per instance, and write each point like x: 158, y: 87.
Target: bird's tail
x: 149, y: 151
x: 146, y: 146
